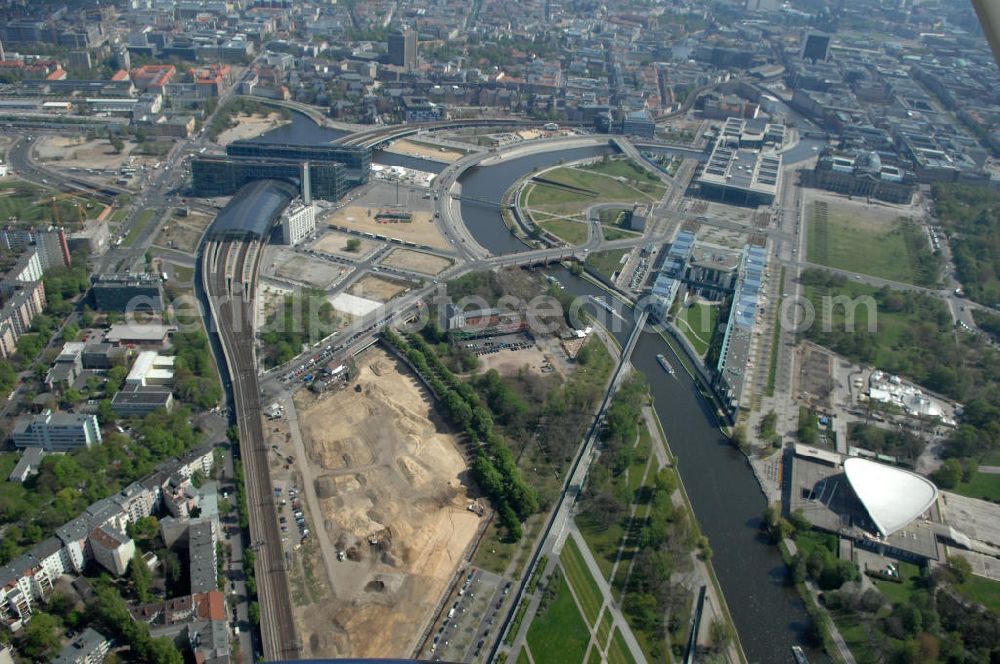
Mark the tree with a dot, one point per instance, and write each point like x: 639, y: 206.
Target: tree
x: 116, y: 378
x: 145, y: 528
x: 140, y: 578
x: 872, y: 600
x: 960, y: 568
x: 72, y: 396
x: 172, y: 567
x: 117, y: 144
x: 808, y: 426
x: 105, y: 413
x: 70, y: 332
x: 719, y: 634
x: 800, y: 521
x: 41, y: 637
x: 353, y: 245
x: 643, y: 609
x: 253, y: 612
x: 948, y: 475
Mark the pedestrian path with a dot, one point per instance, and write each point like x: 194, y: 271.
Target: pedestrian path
x: 616, y: 615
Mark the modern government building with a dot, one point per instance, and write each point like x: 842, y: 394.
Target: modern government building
x: 264, y: 178
x: 326, y: 171
x: 744, y: 167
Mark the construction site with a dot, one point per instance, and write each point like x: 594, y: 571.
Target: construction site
x: 392, y: 515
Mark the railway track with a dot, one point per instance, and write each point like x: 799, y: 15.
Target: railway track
x: 229, y: 269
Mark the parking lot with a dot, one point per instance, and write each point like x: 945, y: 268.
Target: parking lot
x: 512, y: 353
x: 289, y: 511
x: 469, y: 619
x: 482, y: 347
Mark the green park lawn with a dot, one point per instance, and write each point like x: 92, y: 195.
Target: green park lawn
x: 604, y: 628
x: 495, y: 553
x: 556, y: 201
x: 983, y: 485
x: 983, y: 590
x: 29, y: 202
x: 893, y: 328
x: 603, y: 541
x: 697, y: 322
x: 613, y: 224
x: 617, y: 234
x: 618, y: 652
x: 899, y: 593
x: 857, y: 637
x: 607, y: 262
x: 587, y: 592
x: 858, y: 244
x: 597, y: 188
x: 645, y: 179
x: 559, y: 634
x: 573, y: 232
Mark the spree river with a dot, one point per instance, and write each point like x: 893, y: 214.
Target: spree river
x: 770, y: 617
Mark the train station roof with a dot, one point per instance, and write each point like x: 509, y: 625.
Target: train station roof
x: 893, y: 497
x: 254, y: 208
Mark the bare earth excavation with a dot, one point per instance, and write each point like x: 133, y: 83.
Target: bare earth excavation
x: 391, y: 480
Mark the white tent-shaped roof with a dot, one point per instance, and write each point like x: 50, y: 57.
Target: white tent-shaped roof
x: 892, y: 497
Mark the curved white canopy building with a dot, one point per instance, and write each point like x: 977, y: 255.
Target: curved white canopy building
x: 892, y: 497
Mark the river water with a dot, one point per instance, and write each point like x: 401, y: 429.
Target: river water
x: 490, y: 182
x: 770, y: 617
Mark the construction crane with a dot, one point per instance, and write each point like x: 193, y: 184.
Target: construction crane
x: 54, y: 202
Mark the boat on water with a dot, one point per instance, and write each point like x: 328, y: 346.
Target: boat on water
x: 603, y: 303
x: 800, y: 657
x: 665, y: 364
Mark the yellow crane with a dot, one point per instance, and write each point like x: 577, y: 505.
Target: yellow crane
x: 54, y: 202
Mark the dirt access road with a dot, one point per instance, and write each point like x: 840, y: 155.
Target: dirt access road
x: 388, y: 470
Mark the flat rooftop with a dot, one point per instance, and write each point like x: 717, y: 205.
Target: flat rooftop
x: 133, y: 332
x: 743, y: 169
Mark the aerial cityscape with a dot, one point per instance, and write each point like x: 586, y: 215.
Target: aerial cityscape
x: 544, y: 332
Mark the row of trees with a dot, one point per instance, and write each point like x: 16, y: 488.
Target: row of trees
x: 494, y: 467
x: 195, y: 381
x: 110, y: 615
x: 621, y: 424
x: 666, y: 538
x: 896, y: 442
x: 968, y: 214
